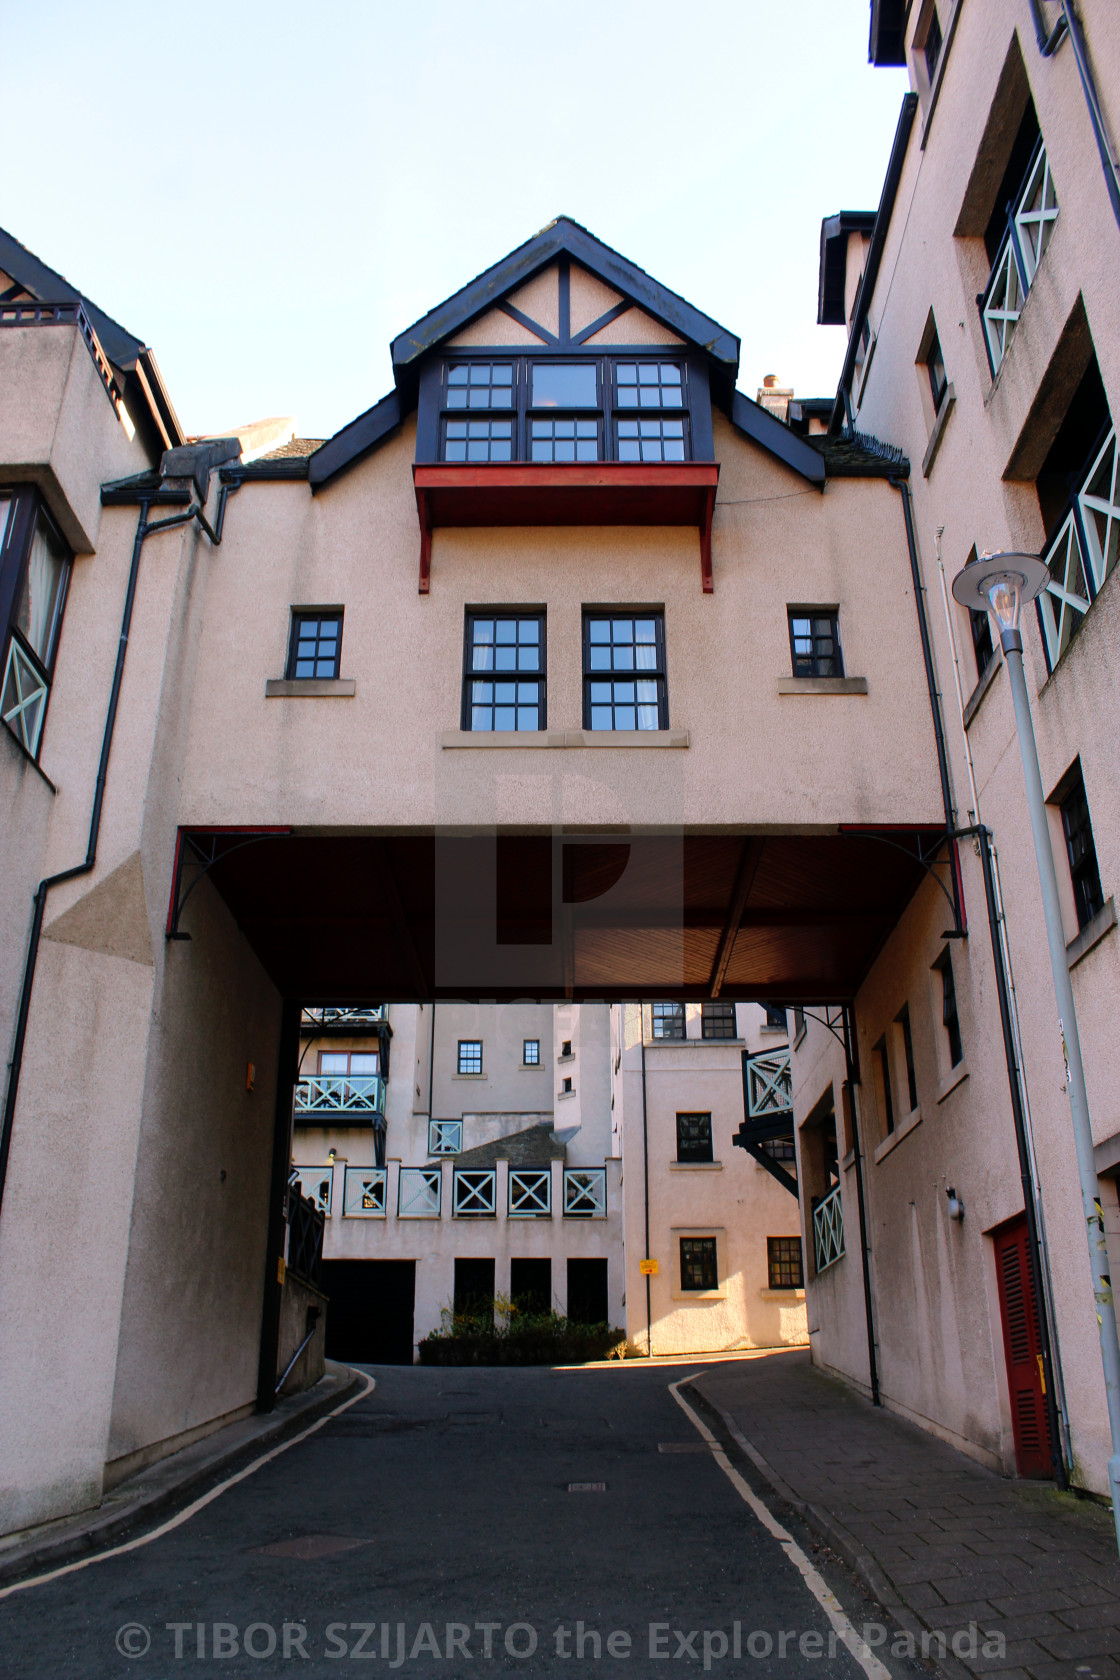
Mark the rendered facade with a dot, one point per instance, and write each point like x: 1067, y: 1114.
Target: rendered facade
x: 567, y: 673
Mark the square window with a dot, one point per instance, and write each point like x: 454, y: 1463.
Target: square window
x: 667, y: 1020
x: 814, y: 639
x: 650, y: 440
x: 649, y: 385
x: 624, y: 672
x: 717, y: 1020
x: 315, y: 649
x: 504, y: 672
x: 694, y: 1137
x: 531, y: 1052
x: 1081, y: 853
x: 565, y: 385
x: 480, y: 385
x: 563, y: 440
x: 470, y: 1055
x: 783, y: 1260
x: 478, y: 440
x: 698, y: 1263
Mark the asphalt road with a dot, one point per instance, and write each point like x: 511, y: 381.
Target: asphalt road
x: 439, y: 1527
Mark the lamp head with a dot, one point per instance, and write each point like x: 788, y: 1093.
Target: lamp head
x: 999, y: 584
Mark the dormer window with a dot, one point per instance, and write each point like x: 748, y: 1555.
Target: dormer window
x: 556, y: 410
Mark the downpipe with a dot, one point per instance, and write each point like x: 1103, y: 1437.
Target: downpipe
x: 645, y: 1164
x: 144, y: 529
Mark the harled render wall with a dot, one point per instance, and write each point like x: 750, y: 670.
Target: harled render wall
x: 754, y: 757
x: 937, y: 1304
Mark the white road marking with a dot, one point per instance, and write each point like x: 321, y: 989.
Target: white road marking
x: 814, y: 1580
x: 196, y: 1505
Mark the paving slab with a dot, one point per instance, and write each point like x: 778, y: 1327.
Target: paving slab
x: 930, y: 1530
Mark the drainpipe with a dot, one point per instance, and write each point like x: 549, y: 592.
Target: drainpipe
x: 903, y: 489
x: 144, y: 529
x: 852, y: 1070
x: 645, y: 1159
x: 1048, y: 43
x: 1096, y: 115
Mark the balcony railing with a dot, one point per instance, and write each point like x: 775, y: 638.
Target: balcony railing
x: 475, y: 1194
x: 1029, y: 227
x: 331, y: 1017
x: 356, y: 1096
x: 1083, y: 551
x: 530, y: 1193
x: 769, y: 1084
x: 418, y: 1193
x: 445, y: 1137
x: 585, y: 1193
x: 364, y: 1193
x: 828, y: 1230
x: 315, y: 1184
x: 306, y: 1223
x: 66, y: 315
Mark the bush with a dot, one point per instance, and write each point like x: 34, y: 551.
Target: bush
x: 498, y: 1332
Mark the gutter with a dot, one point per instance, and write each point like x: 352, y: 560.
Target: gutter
x: 875, y: 251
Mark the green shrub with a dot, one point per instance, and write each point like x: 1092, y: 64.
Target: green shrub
x: 498, y: 1332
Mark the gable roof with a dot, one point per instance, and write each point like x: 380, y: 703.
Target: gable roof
x: 562, y: 237
x: 533, y: 1147
x: 148, y: 403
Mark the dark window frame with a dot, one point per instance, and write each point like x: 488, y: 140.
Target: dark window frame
x: 475, y: 615
x: 1081, y: 850
x: 902, y: 1022
x: 718, y: 1014
x: 883, y: 1057
x: 950, y: 1010
x: 785, y: 1255
x: 699, y: 1260
x: 528, y: 1060
x: 463, y: 1045
x: 655, y: 1019
x: 698, y: 1148
x: 308, y: 615
x: 808, y: 665
x: 27, y: 508
x: 935, y: 371
x: 659, y: 675
x: 933, y: 46
x: 983, y: 647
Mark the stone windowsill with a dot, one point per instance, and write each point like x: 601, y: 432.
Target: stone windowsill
x: 782, y: 1294
x: 822, y: 685
x: 309, y: 688
x: 952, y: 1080
x: 532, y: 1067
x: 1092, y: 933
x: 699, y: 1295
x: 570, y: 1057
x: 535, y: 738
x: 893, y: 1139
x: 938, y: 432
x: 560, y: 1095
x: 470, y: 1076
x: 695, y: 1166
x: 972, y: 704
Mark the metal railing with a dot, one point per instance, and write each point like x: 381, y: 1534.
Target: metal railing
x: 530, y: 1193
x: 475, y: 1194
x: 65, y: 315
x: 340, y: 1093
x: 585, y: 1193
x: 331, y: 1016
x: 1030, y: 224
x: 418, y: 1193
x: 364, y: 1193
x: 306, y: 1223
x: 769, y: 1084
x: 1084, y: 549
x: 445, y: 1137
x: 828, y: 1230
x: 315, y: 1184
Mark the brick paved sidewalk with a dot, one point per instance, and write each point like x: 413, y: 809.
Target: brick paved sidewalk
x: 924, y: 1525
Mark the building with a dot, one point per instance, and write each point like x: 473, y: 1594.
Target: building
x: 984, y: 345
x: 721, y: 1227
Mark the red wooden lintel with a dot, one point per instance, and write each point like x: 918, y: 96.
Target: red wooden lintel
x: 706, y: 579
x: 425, y: 544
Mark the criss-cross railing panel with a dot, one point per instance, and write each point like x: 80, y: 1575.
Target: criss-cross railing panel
x: 418, y: 1193
x: 530, y: 1193
x: 341, y: 1093
x: 475, y: 1194
x: 364, y: 1194
x: 445, y: 1137
x: 315, y: 1183
x: 769, y: 1084
x: 585, y: 1193
x: 828, y: 1230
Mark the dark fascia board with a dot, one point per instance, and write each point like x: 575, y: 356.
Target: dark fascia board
x: 355, y: 440
x: 886, y: 41
x: 765, y: 429
x: 562, y: 236
x: 834, y: 262
x: 143, y: 487
x: 875, y: 250
x: 136, y: 364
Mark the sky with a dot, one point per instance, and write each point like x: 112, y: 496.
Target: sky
x: 267, y: 194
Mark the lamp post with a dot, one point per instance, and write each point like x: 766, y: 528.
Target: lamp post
x: 1000, y: 583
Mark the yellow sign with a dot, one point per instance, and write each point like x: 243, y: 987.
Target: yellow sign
x: 281, y: 1270
x: 648, y: 1268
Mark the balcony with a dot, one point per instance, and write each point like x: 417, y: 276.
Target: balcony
x: 769, y: 1085
x: 572, y: 493
x: 325, y: 1020
x: 349, y: 1099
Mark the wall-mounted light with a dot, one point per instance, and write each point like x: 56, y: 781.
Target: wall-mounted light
x: 956, y: 1206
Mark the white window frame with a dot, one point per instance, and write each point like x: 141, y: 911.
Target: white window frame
x: 1018, y: 259
x: 1083, y: 552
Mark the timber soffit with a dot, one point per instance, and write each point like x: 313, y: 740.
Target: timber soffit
x: 140, y: 375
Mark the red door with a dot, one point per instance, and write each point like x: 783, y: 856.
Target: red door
x: 1022, y: 1350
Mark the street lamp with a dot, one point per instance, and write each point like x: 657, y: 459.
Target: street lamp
x: 1000, y: 583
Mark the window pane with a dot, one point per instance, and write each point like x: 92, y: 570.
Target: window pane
x: 478, y: 440
x: 564, y: 440
x: 556, y: 385
x: 649, y: 385
x: 42, y: 590
x: 316, y: 642
x: 480, y: 385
